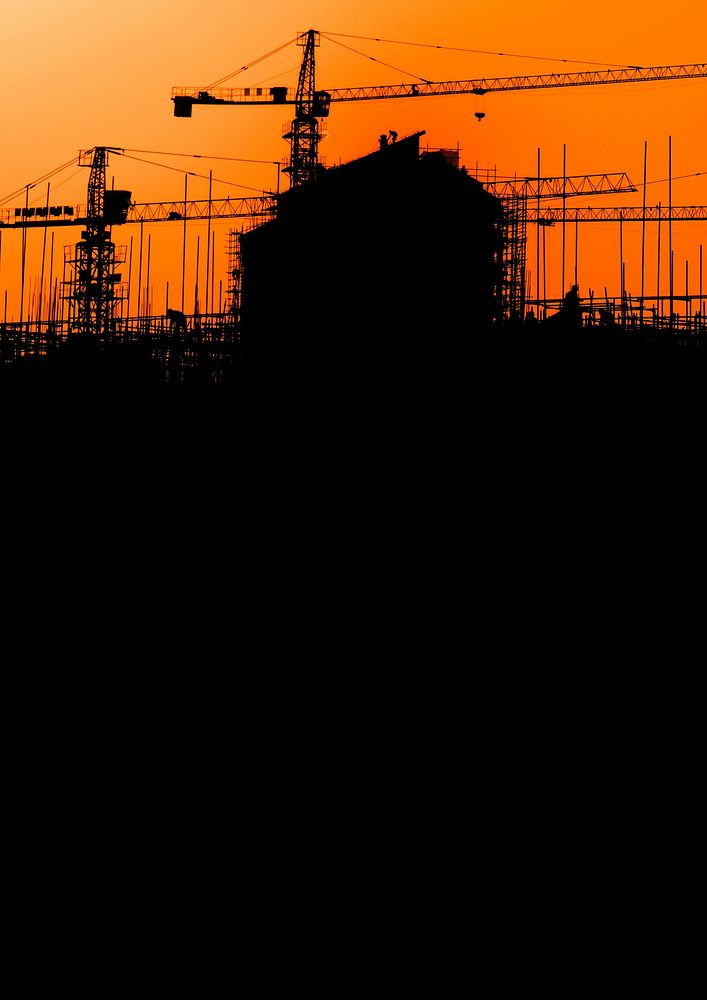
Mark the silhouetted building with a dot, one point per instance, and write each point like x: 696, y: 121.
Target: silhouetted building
x: 395, y: 256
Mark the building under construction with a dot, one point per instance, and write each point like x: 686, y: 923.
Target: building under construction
x: 396, y: 256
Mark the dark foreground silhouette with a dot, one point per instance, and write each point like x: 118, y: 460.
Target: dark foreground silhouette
x: 86, y: 361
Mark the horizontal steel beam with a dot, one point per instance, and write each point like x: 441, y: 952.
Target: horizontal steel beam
x: 488, y: 85
x: 653, y: 213
x: 161, y: 211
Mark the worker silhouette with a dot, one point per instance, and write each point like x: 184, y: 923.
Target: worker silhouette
x: 571, y: 312
x: 177, y: 322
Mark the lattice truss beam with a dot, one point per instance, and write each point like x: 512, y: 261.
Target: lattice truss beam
x: 633, y: 213
x: 479, y: 87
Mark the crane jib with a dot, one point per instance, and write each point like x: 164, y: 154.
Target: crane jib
x: 632, y: 74
x: 184, y: 98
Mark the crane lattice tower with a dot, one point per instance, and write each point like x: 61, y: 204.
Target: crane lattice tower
x: 93, y: 287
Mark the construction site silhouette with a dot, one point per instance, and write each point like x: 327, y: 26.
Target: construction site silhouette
x: 397, y: 263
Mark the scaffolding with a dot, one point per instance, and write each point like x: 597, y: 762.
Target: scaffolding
x: 514, y: 233
x: 235, y: 267
x: 93, y: 288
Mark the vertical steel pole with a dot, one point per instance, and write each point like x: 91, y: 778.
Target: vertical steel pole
x: 44, y: 252
x: 643, y: 232
x: 688, y: 310
x: 139, y: 277
x: 24, y: 254
x: 564, y: 209
x: 544, y: 275
x: 670, y: 222
x: 208, y: 247
x: 576, y: 250
x: 537, y: 264
x: 147, y: 281
x: 196, y: 281
x: 621, y: 256
x: 130, y: 275
x: 51, y: 277
x: 659, y: 304
x: 184, y: 240
x: 213, y: 267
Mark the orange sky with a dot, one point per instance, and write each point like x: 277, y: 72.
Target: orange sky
x: 80, y: 73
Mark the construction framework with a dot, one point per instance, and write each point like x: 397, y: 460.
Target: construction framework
x: 516, y: 196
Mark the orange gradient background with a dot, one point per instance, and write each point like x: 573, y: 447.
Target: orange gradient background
x: 79, y: 73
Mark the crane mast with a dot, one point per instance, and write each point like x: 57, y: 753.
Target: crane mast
x: 305, y: 133
x: 94, y: 286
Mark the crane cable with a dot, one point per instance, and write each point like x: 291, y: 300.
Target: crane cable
x: 484, y: 52
x: 44, y: 177
x: 197, y: 156
x: 680, y: 177
x: 191, y: 173
x: 365, y: 55
x: 217, y: 83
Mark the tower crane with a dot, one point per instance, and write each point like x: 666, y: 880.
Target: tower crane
x: 94, y: 286
x: 312, y: 105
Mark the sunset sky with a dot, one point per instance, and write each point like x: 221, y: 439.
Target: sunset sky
x: 79, y: 73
